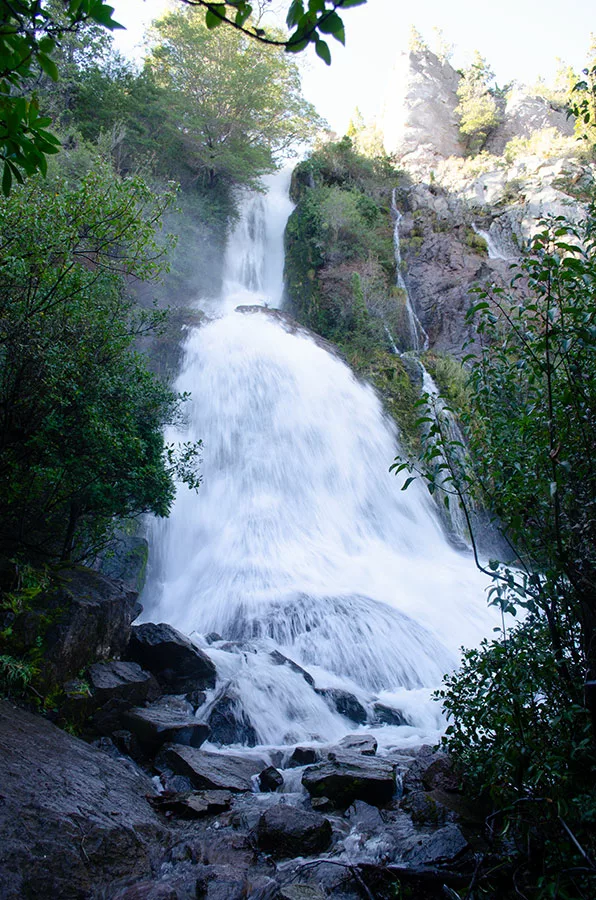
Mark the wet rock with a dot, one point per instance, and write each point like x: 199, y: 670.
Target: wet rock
x: 345, y: 703
x: 122, y: 681
x: 349, y: 776
x: 321, y: 804
x: 220, y: 883
x: 418, y: 763
x: 302, y: 756
x: 192, y: 804
x: 441, y: 774
x: 301, y: 892
x: 154, y: 727
x: 73, y: 821
x: 218, y: 771
x: 148, y: 890
x: 108, y: 718
x: 196, y: 699
x: 213, y: 637
x: 229, y: 723
x: 425, y: 808
x: 366, y: 744
x: 83, y: 617
x: 440, y: 847
x: 286, y: 831
x: 177, y: 664
x: 270, y: 779
x: 387, y: 715
x: 279, y: 659
x: 127, y: 743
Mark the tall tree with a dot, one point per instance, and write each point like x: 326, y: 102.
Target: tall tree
x: 233, y: 103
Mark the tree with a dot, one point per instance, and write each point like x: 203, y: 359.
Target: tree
x: 81, y: 418
x: 233, y: 103
x: 477, y: 109
x: 29, y: 34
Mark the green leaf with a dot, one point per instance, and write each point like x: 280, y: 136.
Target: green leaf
x: 244, y: 13
x: 212, y: 19
x: 332, y: 24
x: 48, y: 65
x: 408, y: 482
x: 6, y: 179
x: 323, y: 51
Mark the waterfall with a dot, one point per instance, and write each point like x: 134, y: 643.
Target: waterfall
x: 300, y: 538
x: 496, y: 250
x: 418, y: 336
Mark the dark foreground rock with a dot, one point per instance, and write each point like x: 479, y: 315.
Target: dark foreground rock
x: 122, y: 681
x: 217, y: 771
x: 229, y: 724
x: 156, y: 725
x: 346, y: 777
x: 82, y: 617
x: 287, y: 831
x: 177, y: 664
x: 192, y: 804
x: 366, y: 744
x: 71, y: 818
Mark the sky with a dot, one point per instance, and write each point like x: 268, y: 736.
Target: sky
x: 521, y: 39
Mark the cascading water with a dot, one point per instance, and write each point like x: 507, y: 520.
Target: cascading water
x: 496, y: 248
x: 300, y: 538
x: 418, y: 336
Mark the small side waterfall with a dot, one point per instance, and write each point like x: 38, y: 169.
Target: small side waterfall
x: 496, y: 248
x: 300, y: 538
x: 418, y: 336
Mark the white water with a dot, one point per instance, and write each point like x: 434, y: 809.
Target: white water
x: 418, y: 335
x: 299, y: 537
x: 495, y: 248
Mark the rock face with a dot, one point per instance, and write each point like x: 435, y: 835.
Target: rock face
x: 347, y: 777
x: 419, y: 122
x: 229, y: 724
x: 173, y: 659
x: 71, y: 818
x: 285, y: 831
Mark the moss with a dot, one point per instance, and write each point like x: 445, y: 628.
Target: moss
x: 451, y: 378
x: 476, y: 242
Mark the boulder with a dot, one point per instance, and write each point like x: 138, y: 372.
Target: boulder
x: 213, y: 637
x: 301, y: 892
x: 122, y: 681
x: 366, y: 744
x: 83, y: 617
x: 350, y: 776
x: 154, y: 726
x: 72, y: 820
x: 278, y: 659
x: 440, y: 847
x: 192, y: 804
x: 302, y: 756
x: 196, y: 699
x: 171, y: 657
x: 229, y: 724
x: 220, y: 883
x: 217, y: 771
x: 441, y: 774
x: 345, y: 703
x: 286, y: 831
x: 386, y: 715
x: 270, y: 779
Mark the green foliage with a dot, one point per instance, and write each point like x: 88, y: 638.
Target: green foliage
x: 451, y: 378
x: 523, y: 722
x: 15, y: 675
x: 306, y: 22
x: 477, y: 109
x: 29, y: 34
x: 527, y: 748
x: 81, y: 435
x: 232, y: 103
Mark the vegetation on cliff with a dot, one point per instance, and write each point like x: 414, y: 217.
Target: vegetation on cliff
x: 340, y: 268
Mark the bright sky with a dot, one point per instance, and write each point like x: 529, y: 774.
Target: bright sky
x: 521, y: 39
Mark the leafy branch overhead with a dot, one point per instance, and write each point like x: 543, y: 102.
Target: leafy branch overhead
x: 307, y: 21
x: 29, y: 34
